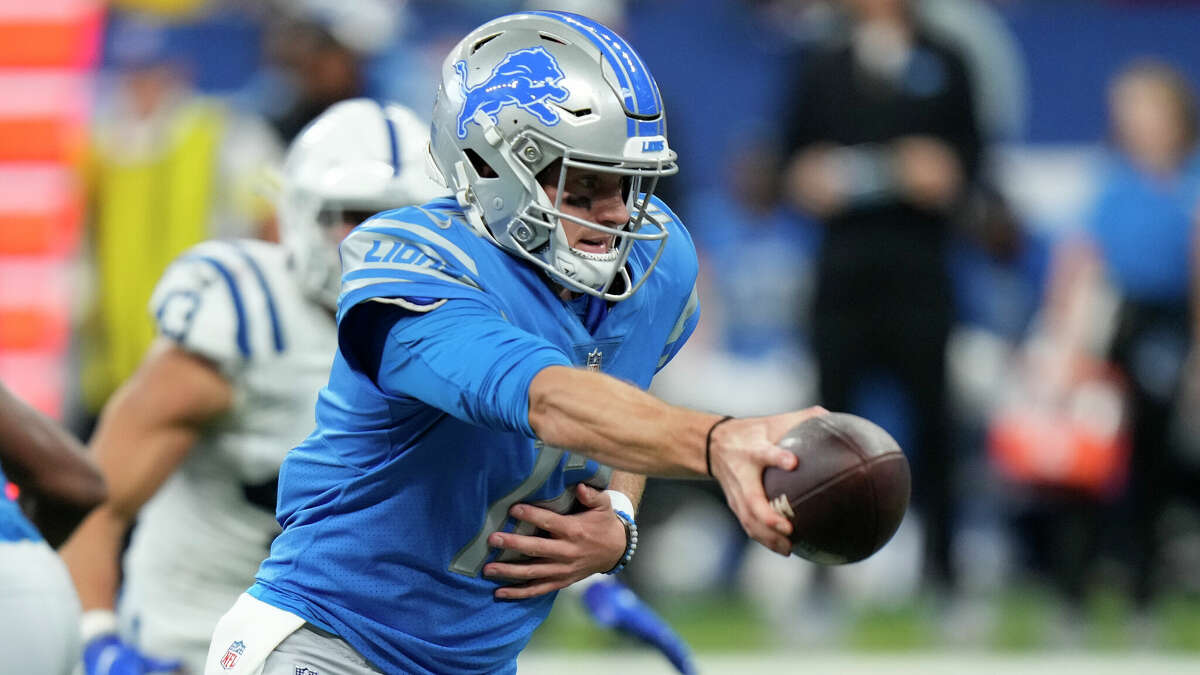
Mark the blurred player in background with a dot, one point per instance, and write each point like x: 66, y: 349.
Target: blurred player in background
x: 191, y: 444
x: 39, y: 613
x: 1139, y: 240
x: 479, y: 337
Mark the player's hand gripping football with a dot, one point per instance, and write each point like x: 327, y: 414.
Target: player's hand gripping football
x: 739, y: 452
x: 577, y: 546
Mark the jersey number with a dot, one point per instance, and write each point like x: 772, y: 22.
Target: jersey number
x: 470, y: 558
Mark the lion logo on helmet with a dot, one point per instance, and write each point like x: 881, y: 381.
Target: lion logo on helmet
x: 526, y: 78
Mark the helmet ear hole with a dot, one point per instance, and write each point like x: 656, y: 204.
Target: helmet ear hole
x: 481, y: 167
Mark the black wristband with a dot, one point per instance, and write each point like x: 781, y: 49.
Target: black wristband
x: 708, y: 442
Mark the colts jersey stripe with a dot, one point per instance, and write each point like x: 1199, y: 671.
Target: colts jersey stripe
x: 395, y: 141
x: 243, y: 337
x: 272, y: 311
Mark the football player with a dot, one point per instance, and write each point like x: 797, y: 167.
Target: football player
x: 493, y: 348
x: 191, y: 444
x: 39, y: 613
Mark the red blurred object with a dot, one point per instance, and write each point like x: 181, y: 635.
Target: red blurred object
x: 1076, y: 439
x: 51, y: 33
x: 41, y: 208
x: 12, y: 491
x: 48, y: 52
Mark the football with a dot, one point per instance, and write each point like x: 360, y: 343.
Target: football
x: 847, y: 495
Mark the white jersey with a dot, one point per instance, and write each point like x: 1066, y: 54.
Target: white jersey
x: 200, y: 539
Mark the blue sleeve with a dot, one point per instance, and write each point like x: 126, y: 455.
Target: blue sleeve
x: 684, y: 326
x: 465, y: 359
x: 683, y: 266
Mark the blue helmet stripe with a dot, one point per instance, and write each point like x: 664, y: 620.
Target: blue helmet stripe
x: 632, y: 75
x: 653, y: 128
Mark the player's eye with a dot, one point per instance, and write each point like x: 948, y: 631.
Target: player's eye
x: 578, y: 201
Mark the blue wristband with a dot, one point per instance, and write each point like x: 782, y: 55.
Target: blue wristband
x: 631, y: 541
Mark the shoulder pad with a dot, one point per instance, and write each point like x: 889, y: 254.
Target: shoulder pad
x: 413, y: 252
x: 215, y: 300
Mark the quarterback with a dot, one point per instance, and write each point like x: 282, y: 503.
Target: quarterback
x: 191, y: 444
x: 493, y: 349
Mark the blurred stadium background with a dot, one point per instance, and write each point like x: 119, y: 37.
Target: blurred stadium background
x: 129, y: 130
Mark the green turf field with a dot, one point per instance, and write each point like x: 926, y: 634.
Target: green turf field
x: 1020, y: 631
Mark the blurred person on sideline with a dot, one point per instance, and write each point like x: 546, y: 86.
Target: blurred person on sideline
x: 168, y: 168
x: 884, y: 146
x: 1138, y: 240
x: 191, y: 444
x: 39, y: 613
x: 319, y: 52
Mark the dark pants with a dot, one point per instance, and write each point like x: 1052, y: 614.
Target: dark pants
x: 906, y: 340
x: 1150, y: 346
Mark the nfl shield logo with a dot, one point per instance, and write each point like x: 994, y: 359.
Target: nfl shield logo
x: 231, y: 655
x: 301, y: 670
x: 595, y: 359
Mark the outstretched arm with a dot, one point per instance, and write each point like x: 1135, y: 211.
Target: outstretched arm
x: 144, y: 434
x: 624, y: 427
x: 50, y: 465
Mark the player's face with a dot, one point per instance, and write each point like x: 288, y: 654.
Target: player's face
x: 594, y: 196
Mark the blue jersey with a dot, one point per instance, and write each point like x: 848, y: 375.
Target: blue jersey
x: 14, y: 526
x: 417, y: 458
x: 1142, y: 225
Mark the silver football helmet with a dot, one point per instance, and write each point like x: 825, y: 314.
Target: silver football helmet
x: 357, y: 158
x: 526, y: 90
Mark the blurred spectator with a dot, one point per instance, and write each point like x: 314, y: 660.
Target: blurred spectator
x: 168, y: 168
x: 320, y: 49
x: 993, y: 58
x: 885, y: 145
x: 1139, y: 238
